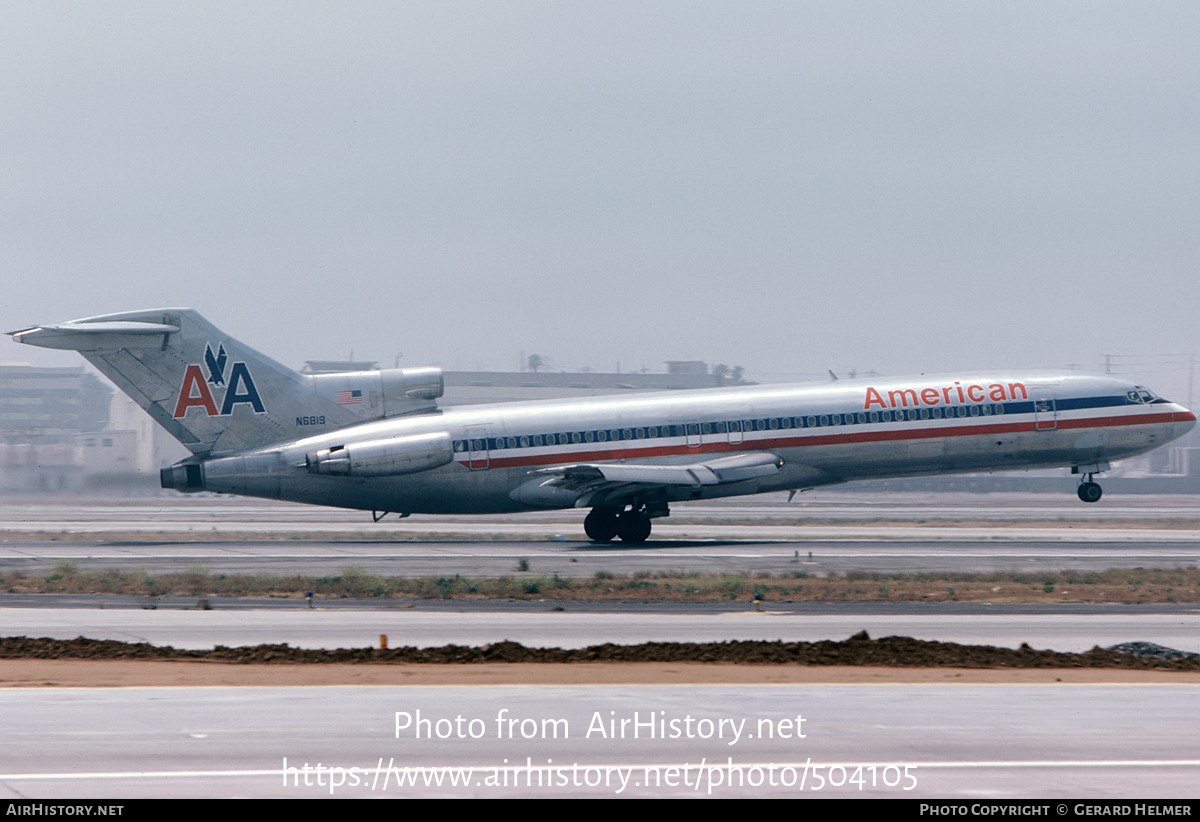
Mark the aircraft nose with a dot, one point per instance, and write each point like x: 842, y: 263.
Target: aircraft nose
x: 1184, y: 421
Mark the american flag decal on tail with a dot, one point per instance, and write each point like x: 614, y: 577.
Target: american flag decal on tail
x: 350, y: 397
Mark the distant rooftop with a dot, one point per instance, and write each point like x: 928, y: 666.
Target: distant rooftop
x: 468, y: 387
x: 581, y: 379
x: 679, y: 374
x: 336, y: 366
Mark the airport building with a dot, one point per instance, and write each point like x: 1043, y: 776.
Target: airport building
x: 46, y: 416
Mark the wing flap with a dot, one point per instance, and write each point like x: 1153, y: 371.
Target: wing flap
x: 617, y: 483
x: 590, y: 476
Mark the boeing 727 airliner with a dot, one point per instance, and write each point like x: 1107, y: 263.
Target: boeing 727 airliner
x: 378, y: 441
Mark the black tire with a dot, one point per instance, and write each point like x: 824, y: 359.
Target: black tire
x: 1090, y: 491
x: 633, y: 527
x: 600, y: 525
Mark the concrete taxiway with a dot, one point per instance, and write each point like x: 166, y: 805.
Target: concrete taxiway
x: 1068, y: 628
x: 962, y: 742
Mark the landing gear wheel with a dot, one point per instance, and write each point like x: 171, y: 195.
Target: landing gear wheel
x: 600, y: 525
x: 1089, y: 491
x: 633, y: 527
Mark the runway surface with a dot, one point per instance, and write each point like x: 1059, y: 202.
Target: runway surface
x: 201, y: 512
x: 834, y: 533
x: 578, y: 558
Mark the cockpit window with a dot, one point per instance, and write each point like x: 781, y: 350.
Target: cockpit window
x: 1141, y: 395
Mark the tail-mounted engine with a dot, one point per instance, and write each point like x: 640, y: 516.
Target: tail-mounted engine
x: 390, y: 392
x: 383, y: 458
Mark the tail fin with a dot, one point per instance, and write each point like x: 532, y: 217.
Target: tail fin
x: 217, y: 395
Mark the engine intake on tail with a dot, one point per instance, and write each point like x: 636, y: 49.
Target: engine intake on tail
x: 406, y: 384
x: 391, y: 392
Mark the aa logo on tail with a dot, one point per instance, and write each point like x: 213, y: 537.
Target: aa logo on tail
x: 195, y: 391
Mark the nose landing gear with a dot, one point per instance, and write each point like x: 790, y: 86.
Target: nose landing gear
x: 1089, y: 491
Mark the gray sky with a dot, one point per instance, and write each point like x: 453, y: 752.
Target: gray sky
x: 788, y: 186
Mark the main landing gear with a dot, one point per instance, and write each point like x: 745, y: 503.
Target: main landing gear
x: 606, y: 524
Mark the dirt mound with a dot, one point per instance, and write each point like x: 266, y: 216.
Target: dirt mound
x: 860, y: 649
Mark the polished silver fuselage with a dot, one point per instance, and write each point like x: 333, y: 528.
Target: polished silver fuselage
x: 839, y: 432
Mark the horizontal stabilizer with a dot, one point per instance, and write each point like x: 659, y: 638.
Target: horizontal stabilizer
x: 85, y: 335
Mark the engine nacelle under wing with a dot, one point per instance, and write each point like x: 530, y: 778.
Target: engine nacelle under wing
x: 383, y: 458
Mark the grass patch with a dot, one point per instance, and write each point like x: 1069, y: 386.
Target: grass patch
x: 1137, y: 585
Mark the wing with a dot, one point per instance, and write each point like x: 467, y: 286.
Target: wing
x: 610, y: 483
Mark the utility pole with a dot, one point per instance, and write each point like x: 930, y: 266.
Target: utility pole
x: 1192, y: 370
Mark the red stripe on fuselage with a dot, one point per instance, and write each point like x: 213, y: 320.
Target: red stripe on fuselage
x: 808, y: 440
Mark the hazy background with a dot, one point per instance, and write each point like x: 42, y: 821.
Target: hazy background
x: 789, y: 186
